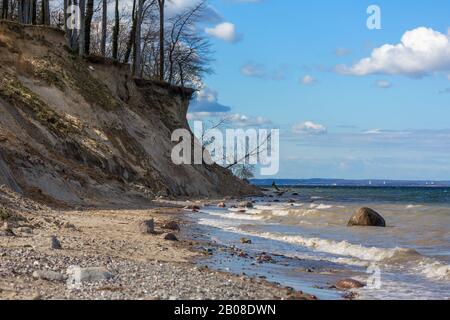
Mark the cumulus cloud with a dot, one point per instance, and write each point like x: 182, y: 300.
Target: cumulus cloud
x: 310, y: 128
x: 420, y: 52
x: 206, y: 100
x: 225, y: 31
x: 308, y: 80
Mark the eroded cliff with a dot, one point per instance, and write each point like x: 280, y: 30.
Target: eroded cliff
x: 81, y: 131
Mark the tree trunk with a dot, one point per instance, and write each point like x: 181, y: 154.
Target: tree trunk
x: 34, y: 12
x: 115, y: 37
x: 87, y: 26
x: 104, y: 26
x: 137, y: 41
x: 161, y: 39
x: 132, y: 34
x: 5, y: 9
x: 45, y: 12
x: 71, y: 33
x: 82, y: 36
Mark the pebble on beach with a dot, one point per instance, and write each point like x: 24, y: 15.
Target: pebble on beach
x: 170, y: 237
x: 54, y: 243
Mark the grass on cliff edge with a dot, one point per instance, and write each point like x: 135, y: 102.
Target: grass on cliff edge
x: 12, y: 90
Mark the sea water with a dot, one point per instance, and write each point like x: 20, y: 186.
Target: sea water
x: 313, y: 247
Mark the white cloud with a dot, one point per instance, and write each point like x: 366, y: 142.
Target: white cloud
x: 253, y: 70
x: 421, y: 51
x: 232, y: 119
x: 448, y: 77
x: 309, y: 127
x: 206, y: 100
x: 260, y: 71
x: 383, y: 84
x: 308, y: 80
x: 225, y: 31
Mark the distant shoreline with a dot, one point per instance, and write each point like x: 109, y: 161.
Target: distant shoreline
x: 350, y: 183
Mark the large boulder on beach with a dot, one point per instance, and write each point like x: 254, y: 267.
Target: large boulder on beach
x: 348, y: 284
x: 246, y: 204
x: 366, y: 217
x: 147, y: 226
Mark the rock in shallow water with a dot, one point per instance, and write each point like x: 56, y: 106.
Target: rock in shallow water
x: 147, y: 227
x: 171, y: 225
x: 367, y: 217
x: 347, y: 284
x: 246, y: 204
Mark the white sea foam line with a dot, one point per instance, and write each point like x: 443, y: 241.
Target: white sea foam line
x: 280, y: 213
x: 431, y: 269
x: 324, y: 207
x: 235, y: 216
x: 435, y: 270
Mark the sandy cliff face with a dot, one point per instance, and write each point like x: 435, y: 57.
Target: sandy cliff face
x: 82, y: 132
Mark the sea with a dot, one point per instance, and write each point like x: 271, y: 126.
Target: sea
x: 303, y: 228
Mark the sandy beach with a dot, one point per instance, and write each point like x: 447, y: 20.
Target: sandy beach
x: 109, y: 243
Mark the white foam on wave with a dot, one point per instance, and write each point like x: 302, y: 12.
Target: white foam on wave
x: 351, y: 254
x: 435, y: 270
x: 280, y: 213
x: 343, y: 248
x: 324, y: 207
x: 235, y: 215
x: 413, y: 206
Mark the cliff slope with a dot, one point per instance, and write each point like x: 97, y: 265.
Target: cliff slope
x: 75, y: 131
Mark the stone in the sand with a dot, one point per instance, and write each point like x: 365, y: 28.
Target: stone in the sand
x: 291, y: 201
x: 26, y: 230
x: 48, y: 275
x: 246, y: 241
x: 222, y: 205
x: 6, y: 233
x: 170, y: 237
x: 147, y: 226
x: 348, y: 284
x: 264, y: 258
x: 171, y: 225
x: 54, y: 243
x: 367, y: 217
x: 92, y: 274
x: 69, y: 225
x: 192, y: 207
x: 246, y: 204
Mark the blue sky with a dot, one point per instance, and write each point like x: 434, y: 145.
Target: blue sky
x: 296, y: 65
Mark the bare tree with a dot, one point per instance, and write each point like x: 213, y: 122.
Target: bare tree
x: 137, y: 40
x: 161, y: 4
x: 188, y: 51
x: 115, y: 37
x: 132, y: 35
x: 45, y: 12
x: 244, y: 171
x: 104, y: 27
x: 87, y: 26
x: 5, y: 8
x: 82, y: 34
